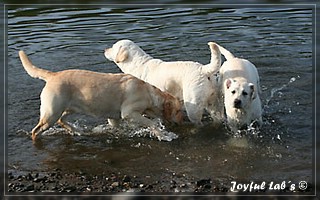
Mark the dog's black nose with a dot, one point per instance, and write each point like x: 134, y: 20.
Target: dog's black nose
x: 237, y: 103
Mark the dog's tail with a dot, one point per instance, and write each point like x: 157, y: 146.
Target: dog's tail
x: 227, y: 54
x: 215, y: 61
x: 32, y: 70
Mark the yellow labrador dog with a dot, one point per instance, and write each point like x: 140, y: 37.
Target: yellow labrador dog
x: 241, y: 90
x: 191, y: 82
x: 113, y: 96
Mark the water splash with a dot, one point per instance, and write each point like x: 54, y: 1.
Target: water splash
x: 125, y: 128
x: 276, y: 132
x: 132, y: 130
x: 145, y: 132
x: 102, y: 128
x: 278, y: 89
x: 251, y: 130
x: 59, y: 131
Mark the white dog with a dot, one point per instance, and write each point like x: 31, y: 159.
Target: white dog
x: 113, y: 96
x: 241, y: 91
x: 191, y: 82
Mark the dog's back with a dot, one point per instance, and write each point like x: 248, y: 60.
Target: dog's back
x: 237, y: 68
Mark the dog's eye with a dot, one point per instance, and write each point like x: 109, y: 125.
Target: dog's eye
x: 233, y: 91
x: 244, y: 93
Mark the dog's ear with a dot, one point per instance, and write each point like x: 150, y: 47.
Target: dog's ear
x: 228, y: 83
x: 122, y: 54
x: 253, y: 92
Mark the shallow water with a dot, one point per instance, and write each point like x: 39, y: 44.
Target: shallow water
x: 277, y: 40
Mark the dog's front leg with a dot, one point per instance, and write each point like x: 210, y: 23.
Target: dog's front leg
x: 194, y: 113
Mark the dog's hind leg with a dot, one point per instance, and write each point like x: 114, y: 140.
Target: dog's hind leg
x: 50, y: 112
x: 44, y: 124
x: 41, y: 126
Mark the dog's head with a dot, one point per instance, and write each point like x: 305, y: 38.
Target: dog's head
x: 239, y: 95
x: 172, y: 109
x: 123, y: 51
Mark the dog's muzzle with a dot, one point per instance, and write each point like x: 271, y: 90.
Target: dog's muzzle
x: 237, y: 103
x: 107, y: 54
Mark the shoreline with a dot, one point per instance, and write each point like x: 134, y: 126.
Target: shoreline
x: 80, y: 183
x: 58, y: 181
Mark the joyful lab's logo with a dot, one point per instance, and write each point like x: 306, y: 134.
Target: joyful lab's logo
x: 303, y: 185
x: 252, y: 186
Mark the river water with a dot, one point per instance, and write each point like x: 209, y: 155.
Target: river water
x: 278, y: 40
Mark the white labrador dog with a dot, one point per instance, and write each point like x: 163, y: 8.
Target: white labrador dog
x: 241, y: 91
x: 113, y: 96
x: 191, y: 82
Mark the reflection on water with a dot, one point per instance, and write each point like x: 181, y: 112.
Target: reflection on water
x: 277, y: 40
